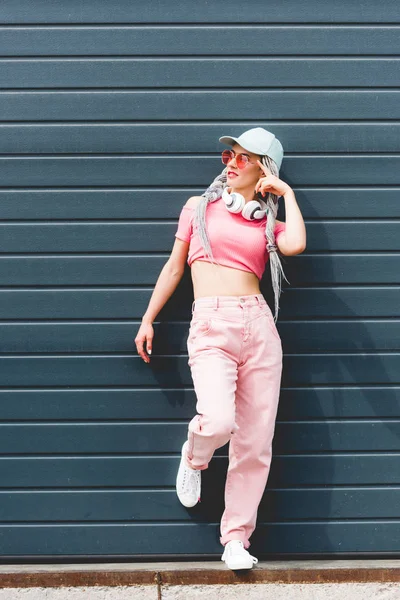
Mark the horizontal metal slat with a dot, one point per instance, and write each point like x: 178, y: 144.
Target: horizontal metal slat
x: 337, y: 402
x: 92, y: 204
x: 190, y: 170
x: 107, y: 138
x: 156, y: 73
x: 200, y: 105
x: 117, y: 270
x: 171, y: 338
x: 130, y: 370
x: 195, y: 40
x: 342, y: 268
x: 290, y: 437
x: 160, y: 471
x: 134, y: 506
x: 101, y: 11
x: 333, y: 302
x: 119, y: 303
x: 128, y: 539
x: 359, y: 236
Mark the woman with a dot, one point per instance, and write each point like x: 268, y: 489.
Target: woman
x: 235, y: 352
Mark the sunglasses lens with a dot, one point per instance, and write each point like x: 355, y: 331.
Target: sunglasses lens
x: 241, y: 161
x: 227, y: 155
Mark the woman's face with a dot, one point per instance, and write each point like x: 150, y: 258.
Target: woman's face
x: 247, y: 177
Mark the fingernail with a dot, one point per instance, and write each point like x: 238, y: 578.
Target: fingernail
x: 148, y: 351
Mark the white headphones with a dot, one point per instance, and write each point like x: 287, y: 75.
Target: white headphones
x: 236, y: 203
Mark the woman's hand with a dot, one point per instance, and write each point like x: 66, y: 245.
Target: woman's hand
x: 145, y: 334
x: 270, y: 183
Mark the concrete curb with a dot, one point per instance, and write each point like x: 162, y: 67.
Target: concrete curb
x: 198, y: 573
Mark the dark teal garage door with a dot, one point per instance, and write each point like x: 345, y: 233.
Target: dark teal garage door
x: 110, y: 116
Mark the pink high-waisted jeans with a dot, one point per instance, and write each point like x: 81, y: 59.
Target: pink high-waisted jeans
x: 235, y: 357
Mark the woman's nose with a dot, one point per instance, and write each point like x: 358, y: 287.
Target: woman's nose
x: 230, y: 161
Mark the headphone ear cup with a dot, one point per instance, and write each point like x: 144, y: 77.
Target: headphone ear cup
x: 234, y: 202
x: 253, y: 211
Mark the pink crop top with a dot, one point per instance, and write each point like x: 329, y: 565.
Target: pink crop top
x: 235, y: 241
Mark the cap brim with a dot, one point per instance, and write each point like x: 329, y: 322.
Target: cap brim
x: 226, y: 139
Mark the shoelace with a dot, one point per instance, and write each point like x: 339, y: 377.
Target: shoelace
x: 236, y: 547
x: 190, y: 480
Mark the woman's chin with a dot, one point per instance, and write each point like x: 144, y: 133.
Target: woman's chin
x: 232, y: 178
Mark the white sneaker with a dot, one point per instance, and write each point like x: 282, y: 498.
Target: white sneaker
x: 188, y: 482
x: 236, y: 556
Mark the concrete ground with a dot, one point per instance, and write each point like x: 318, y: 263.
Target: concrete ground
x: 330, y: 591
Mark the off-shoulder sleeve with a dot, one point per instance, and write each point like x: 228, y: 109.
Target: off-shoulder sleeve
x: 184, y: 230
x: 279, y: 228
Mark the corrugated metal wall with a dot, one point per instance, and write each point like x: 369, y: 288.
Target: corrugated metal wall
x: 110, y: 116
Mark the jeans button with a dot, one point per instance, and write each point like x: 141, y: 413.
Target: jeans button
x: 241, y: 300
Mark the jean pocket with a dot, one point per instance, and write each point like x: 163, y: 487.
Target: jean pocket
x: 270, y: 318
x: 199, y: 327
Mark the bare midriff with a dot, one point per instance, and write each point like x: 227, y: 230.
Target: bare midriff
x: 216, y: 280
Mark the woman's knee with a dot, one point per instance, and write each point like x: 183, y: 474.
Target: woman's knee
x: 219, y: 426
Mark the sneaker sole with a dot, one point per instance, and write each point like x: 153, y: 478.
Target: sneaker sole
x: 238, y: 566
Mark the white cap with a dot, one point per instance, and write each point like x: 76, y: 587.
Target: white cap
x: 259, y: 141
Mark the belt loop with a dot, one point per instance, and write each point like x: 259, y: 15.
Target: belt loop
x: 258, y: 300
x: 216, y: 303
x: 193, y: 305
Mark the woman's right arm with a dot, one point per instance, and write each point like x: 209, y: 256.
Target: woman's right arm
x: 167, y: 282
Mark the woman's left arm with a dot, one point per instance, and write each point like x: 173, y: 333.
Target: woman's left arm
x: 293, y: 240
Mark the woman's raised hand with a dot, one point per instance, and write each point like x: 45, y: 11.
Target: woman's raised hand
x: 145, y: 334
x: 270, y: 183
